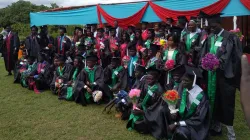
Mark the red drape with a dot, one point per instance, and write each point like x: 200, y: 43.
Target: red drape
x: 163, y: 13
x: 246, y: 3
x: 122, y: 22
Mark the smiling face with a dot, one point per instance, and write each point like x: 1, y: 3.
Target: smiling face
x: 192, y: 26
x: 187, y: 82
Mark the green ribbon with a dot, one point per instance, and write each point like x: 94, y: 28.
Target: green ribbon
x: 60, y: 70
x: 147, y: 43
x: 173, y: 57
x: 75, y: 74
x: 182, y: 110
x: 133, y: 118
x: 69, y: 96
x: 91, y: 77
x: 189, y: 41
x: 114, y: 75
x: 211, y: 91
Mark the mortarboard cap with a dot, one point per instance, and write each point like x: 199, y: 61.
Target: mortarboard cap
x: 100, y: 30
x: 203, y: 15
x: 91, y: 57
x: 132, y: 46
x: 153, y: 71
x: 138, y: 30
x: 63, y: 29
x: 175, y: 30
x: 180, y: 69
x: 115, y: 59
x: 215, y: 18
x: 192, y: 73
x: 182, y: 19
x: 154, y: 47
x: 151, y: 30
x: 43, y: 26
x: 113, y: 29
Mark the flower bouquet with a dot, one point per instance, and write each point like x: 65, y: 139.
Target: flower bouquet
x: 133, y: 95
x: 238, y: 33
x: 138, y: 48
x: 114, y: 47
x: 97, y: 95
x: 210, y: 62
x: 169, y: 64
x: 171, y: 97
x: 59, y: 83
x: 162, y: 42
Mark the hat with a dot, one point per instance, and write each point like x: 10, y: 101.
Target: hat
x: 146, y: 23
x: 154, y: 47
x: 34, y: 26
x: 193, y: 18
x: 192, y: 73
x: 175, y: 30
x: 182, y: 19
x: 140, y: 68
x: 170, y: 20
x: 215, y: 18
x: 63, y: 29
x: 61, y: 58
x: 180, y: 69
x: 153, y: 71
x: 91, y: 57
x: 132, y: 46
x: 203, y: 15
x: 115, y: 59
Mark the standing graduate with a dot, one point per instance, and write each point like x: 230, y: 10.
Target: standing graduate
x: 67, y: 90
x: 32, y: 42
x: 90, y: 79
x: 124, y: 44
x: 149, y: 95
x: 193, y: 123
x: 150, y: 38
x: 62, y: 42
x: 182, y: 23
x: 138, y: 39
x: 132, y: 64
x: 30, y: 69
x: 115, y: 76
x: 100, y: 44
x: 38, y: 81
x: 131, y: 32
x: 45, y: 39
x: 152, y: 51
x: 223, y: 82
x: 89, y: 41
x: 61, y: 76
x: 192, y: 43
x: 10, y: 49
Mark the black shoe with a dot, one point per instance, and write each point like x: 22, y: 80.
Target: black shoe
x: 215, y: 133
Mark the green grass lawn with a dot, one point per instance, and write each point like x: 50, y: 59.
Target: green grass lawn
x: 25, y: 115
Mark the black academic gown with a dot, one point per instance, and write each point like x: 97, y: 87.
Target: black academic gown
x: 227, y: 76
x: 32, y: 44
x: 66, y: 77
x: 197, y: 126
x: 10, y: 57
x: 81, y: 81
x: 41, y: 81
x: 144, y: 126
x: 66, y: 45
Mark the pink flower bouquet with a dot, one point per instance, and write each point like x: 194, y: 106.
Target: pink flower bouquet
x: 238, y: 33
x: 169, y: 64
x: 210, y: 62
x: 133, y: 95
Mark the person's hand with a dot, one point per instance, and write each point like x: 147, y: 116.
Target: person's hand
x: 172, y: 127
x: 89, y: 90
x: 245, y: 88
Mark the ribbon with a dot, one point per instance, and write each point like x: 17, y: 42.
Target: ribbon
x: 189, y: 41
x: 60, y: 70
x: 91, y: 78
x: 114, y: 75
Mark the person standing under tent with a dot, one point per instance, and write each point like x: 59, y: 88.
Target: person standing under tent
x: 62, y: 42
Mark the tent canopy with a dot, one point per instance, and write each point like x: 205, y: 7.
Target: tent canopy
x: 89, y: 15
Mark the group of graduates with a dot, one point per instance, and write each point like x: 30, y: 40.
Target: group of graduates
x: 103, y: 65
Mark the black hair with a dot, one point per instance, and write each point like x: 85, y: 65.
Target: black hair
x: 127, y: 37
x: 175, y: 36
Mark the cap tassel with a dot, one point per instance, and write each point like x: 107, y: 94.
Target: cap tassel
x: 168, y: 78
x: 186, y: 25
x: 194, y: 82
x: 206, y: 22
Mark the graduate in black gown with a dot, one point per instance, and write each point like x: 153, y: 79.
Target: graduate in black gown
x: 61, y: 76
x: 140, y: 77
x: 32, y: 42
x: 116, y: 76
x: 67, y: 90
x: 227, y: 48
x: 150, y: 93
x: 182, y: 23
x: 62, y: 42
x: 193, y: 120
x: 90, y: 79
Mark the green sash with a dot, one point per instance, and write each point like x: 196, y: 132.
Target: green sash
x: 211, y: 91
x: 173, y: 57
x: 133, y: 118
x: 114, y: 75
x: 91, y: 77
x: 189, y: 41
x: 147, y: 43
x: 70, y: 88
x: 151, y: 63
x: 132, y: 37
x: 60, y: 71
x: 183, y: 105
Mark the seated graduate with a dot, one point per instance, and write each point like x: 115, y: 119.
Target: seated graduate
x: 31, y: 67
x: 21, y: 66
x: 61, y: 75
x: 194, y: 120
x: 38, y: 79
x: 175, y: 81
x: 131, y: 65
x: 140, y: 77
x: 89, y: 85
x: 67, y: 90
x: 115, y: 76
x: 150, y: 93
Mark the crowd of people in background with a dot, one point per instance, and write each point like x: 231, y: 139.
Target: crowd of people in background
x: 102, y: 65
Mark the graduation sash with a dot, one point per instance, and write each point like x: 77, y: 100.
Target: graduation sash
x: 151, y: 62
x: 211, y: 91
x: 60, y: 70
x: 91, y: 77
x: 115, y: 73
x: 60, y: 42
x: 132, y: 37
x: 132, y: 63
x: 133, y: 118
x: 173, y: 56
x: 147, y: 43
x: 26, y: 73
x: 183, y: 106
x: 189, y: 41
x: 70, y: 88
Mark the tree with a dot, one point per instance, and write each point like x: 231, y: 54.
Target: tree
x: 53, y: 5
